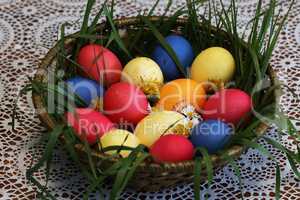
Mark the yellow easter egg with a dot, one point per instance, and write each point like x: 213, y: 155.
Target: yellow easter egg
x: 119, y: 137
x: 152, y: 127
x: 214, y: 64
x: 144, y: 73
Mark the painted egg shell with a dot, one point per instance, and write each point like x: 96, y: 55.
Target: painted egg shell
x: 182, y: 49
x: 214, y: 64
x: 144, y: 73
x: 125, y: 103
x: 181, y: 90
x: 119, y: 137
x: 87, y: 90
x: 100, y: 64
x: 152, y: 127
x: 211, y: 134
x: 172, y: 148
x: 89, y: 124
x: 229, y: 105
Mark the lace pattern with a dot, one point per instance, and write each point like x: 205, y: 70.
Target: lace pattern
x: 29, y: 28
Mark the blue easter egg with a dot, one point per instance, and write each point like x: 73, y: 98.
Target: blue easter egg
x: 184, y: 52
x: 88, y: 90
x: 211, y: 134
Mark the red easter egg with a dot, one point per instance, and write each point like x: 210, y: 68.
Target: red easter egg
x: 125, y: 103
x: 100, y: 63
x: 172, y: 148
x: 89, y: 124
x: 229, y: 105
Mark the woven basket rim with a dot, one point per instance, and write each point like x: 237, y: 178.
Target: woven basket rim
x: 41, y: 73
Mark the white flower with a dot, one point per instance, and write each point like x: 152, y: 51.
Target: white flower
x: 192, y: 118
x: 188, y: 111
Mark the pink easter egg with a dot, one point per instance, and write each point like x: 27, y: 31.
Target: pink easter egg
x: 89, y: 124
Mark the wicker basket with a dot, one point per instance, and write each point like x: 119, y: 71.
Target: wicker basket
x: 149, y: 176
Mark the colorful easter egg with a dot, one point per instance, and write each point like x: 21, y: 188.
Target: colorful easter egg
x: 100, y: 64
x: 125, y: 103
x: 144, y: 73
x: 172, y: 148
x: 87, y: 90
x: 229, y: 105
x: 214, y: 64
x: 119, y: 137
x: 89, y: 124
x: 152, y: 127
x: 183, y: 51
x: 211, y: 134
x: 181, y: 90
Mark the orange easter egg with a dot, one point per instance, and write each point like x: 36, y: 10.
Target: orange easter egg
x: 179, y: 90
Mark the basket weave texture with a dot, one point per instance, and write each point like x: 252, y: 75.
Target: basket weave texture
x: 149, y: 176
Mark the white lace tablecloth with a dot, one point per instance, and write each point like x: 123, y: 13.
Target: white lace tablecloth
x: 28, y: 28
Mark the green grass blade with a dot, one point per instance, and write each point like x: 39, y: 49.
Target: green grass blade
x: 124, y: 174
x: 277, y: 145
x: 53, y: 138
x: 88, y: 10
x: 298, y: 153
x: 88, y: 36
x: 47, y: 155
x: 112, y: 6
x: 84, y: 27
x: 93, y: 25
x: 153, y: 8
x: 253, y: 34
x: 236, y: 169
x: 266, y: 22
x: 115, y: 192
x: 137, y: 162
x: 169, y: 4
x: 27, y: 88
x: 267, y: 55
x: 110, y: 39
x: 197, y: 177
x: 60, y: 59
x: 115, y: 32
x: 165, y: 45
x: 255, y: 61
x: 264, y: 151
x: 259, y: 147
x: 208, y: 165
x: 293, y: 163
x: 168, y: 24
x: 70, y: 147
x: 88, y: 152
x: 40, y: 187
x: 277, y: 183
x: 139, y: 34
x: 291, y: 156
x: 112, y: 170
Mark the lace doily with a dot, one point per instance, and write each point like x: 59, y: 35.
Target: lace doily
x: 28, y: 28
